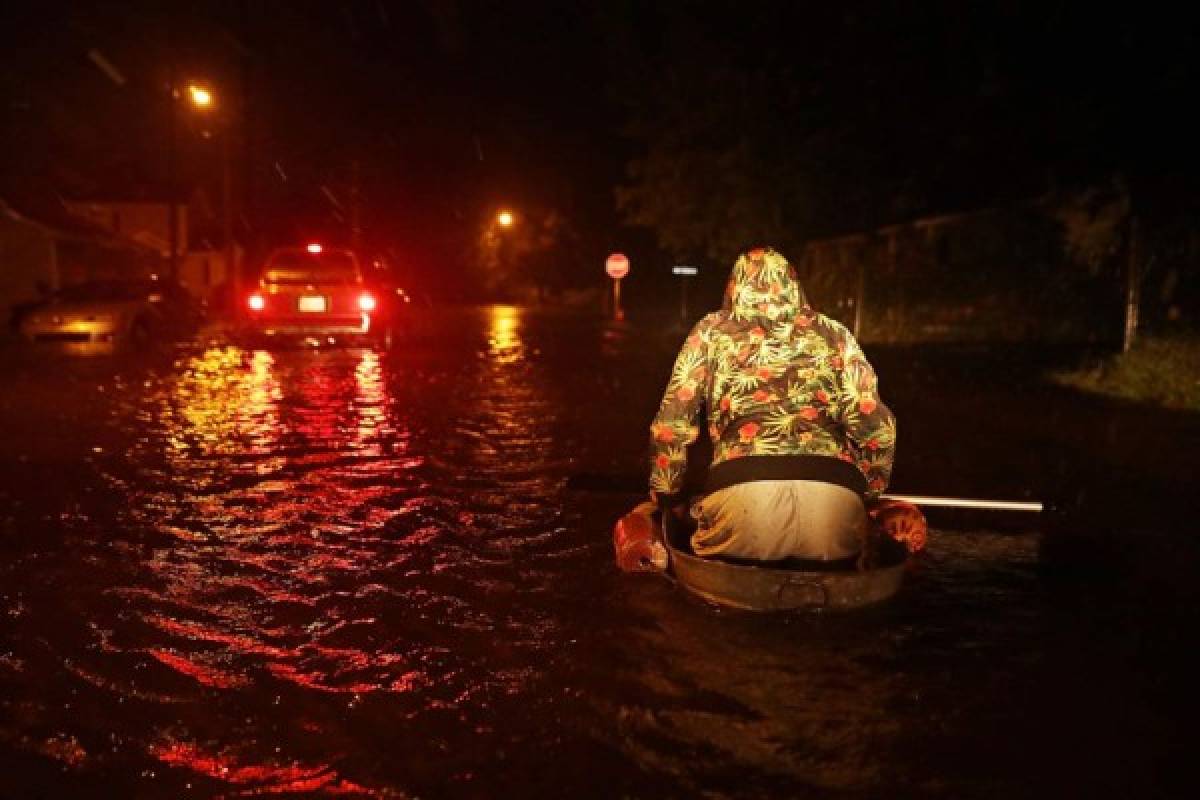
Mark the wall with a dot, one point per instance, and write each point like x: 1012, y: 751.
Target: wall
x: 988, y: 275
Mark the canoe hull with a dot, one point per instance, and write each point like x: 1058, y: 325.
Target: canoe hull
x: 756, y: 588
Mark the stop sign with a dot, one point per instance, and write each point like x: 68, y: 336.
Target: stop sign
x: 617, y: 266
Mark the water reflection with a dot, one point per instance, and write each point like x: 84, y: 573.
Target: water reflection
x: 504, y: 337
x: 370, y: 404
x: 266, y: 778
x: 504, y: 421
x: 306, y: 544
x: 307, y: 557
x: 220, y: 403
x: 259, y: 414
x: 281, y: 473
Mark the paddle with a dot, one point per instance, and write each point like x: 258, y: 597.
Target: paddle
x: 627, y: 484
x: 1029, y: 506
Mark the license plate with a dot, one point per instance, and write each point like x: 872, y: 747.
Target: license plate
x: 312, y: 304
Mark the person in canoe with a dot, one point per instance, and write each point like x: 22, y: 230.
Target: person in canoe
x: 802, y: 441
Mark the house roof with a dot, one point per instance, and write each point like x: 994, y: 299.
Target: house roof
x: 53, y: 218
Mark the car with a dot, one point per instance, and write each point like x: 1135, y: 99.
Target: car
x: 317, y: 294
x: 112, y: 314
x: 393, y: 312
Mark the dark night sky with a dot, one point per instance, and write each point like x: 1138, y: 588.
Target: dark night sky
x: 451, y: 108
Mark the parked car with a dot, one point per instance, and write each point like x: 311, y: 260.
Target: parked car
x: 318, y: 294
x: 112, y: 314
x: 393, y: 311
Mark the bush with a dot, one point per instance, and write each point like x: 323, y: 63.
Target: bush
x: 1160, y: 370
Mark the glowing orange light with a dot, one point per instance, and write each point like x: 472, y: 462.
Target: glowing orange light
x: 256, y: 302
x: 314, y: 248
x: 366, y: 302
x: 201, y: 98
x: 504, y: 338
x: 505, y: 218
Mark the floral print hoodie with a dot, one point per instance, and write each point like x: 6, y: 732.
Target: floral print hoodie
x: 774, y: 377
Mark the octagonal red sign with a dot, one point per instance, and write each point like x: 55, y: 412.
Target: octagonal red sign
x: 617, y: 266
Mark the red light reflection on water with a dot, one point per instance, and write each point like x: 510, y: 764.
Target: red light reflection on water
x: 208, y: 676
x: 370, y: 402
x: 271, y: 778
x: 290, y: 490
x: 194, y: 631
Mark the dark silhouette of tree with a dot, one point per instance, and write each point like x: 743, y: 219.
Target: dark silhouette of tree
x: 536, y: 255
x: 790, y: 122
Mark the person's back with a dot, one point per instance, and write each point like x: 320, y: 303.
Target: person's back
x: 800, y: 435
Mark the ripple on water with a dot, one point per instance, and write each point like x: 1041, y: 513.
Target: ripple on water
x: 299, y: 532
x: 340, y: 573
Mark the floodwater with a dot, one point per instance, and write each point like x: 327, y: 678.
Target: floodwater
x: 232, y: 573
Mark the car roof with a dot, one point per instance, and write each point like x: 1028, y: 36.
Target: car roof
x: 305, y: 251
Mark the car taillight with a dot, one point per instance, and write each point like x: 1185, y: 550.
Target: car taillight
x: 366, y: 302
x: 256, y: 302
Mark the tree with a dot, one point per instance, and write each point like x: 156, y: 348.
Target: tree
x: 793, y: 122
x: 532, y: 255
x: 744, y: 143
x: 1094, y: 222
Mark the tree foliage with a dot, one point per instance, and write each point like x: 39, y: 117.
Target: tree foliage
x: 1094, y: 221
x: 533, y: 255
x: 795, y: 122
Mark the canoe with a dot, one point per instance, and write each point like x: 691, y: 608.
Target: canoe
x: 759, y: 588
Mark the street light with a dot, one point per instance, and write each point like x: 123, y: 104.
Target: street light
x: 498, y: 245
x: 203, y: 100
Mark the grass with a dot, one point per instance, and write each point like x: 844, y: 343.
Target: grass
x: 1162, y: 370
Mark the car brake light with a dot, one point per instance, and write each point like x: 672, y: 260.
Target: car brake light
x: 314, y: 248
x: 256, y: 302
x: 366, y: 302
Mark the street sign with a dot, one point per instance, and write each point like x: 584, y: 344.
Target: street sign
x: 617, y: 266
x: 684, y: 271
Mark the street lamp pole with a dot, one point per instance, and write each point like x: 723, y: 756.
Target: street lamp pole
x: 499, y: 240
x: 202, y: 100
x: 172, y: 210
x: 231, y: 266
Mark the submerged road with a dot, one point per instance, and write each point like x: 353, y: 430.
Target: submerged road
x: 233, y: 572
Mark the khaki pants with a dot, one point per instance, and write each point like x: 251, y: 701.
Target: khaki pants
x: 771, y: 520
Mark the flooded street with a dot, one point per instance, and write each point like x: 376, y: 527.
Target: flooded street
x: 233, y: 572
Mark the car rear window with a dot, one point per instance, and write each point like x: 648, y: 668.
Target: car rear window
x: 301, y: 266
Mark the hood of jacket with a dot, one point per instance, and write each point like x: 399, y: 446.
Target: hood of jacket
x: 763, y: 289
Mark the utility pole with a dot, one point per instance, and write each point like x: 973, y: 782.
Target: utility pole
x: 247, y: 123
x: 172, y: 208
x: 355, y: 207
x: 1133, y: 279
x: 860, y: 291
x: 231, y: 267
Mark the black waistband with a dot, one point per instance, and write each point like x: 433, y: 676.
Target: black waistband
x: 785, y: 468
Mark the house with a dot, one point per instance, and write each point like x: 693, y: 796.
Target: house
x: 46, y: 248
x: 991, y: 274
x: 201, y: 266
